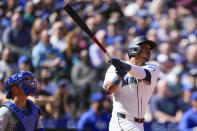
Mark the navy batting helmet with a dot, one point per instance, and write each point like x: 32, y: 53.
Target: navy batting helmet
x: 24, y: 80
x: 134, y: 47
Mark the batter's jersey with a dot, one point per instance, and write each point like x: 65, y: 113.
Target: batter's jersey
x: 132, y: 95
x: 9, y: 122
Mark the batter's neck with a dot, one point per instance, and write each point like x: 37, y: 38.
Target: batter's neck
x: 137, y: 62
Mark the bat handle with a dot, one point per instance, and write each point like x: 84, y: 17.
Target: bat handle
x: 108, y: 56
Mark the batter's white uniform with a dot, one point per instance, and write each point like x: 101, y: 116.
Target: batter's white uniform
x: 132, y: 96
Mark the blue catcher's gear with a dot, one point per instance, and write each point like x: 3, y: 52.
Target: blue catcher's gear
x: 134, y: 47
x: 24, y: 80
x: 28, y: 119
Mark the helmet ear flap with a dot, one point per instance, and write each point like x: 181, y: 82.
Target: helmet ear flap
x: 12, y: 80
x: 134, y: 50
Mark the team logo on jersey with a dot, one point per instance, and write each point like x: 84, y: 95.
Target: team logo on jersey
x: 128, y: 81
x: 1, y: 123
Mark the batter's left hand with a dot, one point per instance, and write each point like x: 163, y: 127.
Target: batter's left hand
x: 119, y: 63
x: 121, y: 67
x: 121, y: 72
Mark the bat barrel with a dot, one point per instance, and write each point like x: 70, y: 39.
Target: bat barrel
x: 77, y: 19
x: 84, y: 27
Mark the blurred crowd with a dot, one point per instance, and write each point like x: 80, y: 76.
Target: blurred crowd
x: 39, y: 36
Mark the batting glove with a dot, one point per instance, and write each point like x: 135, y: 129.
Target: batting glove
x: 121, y: 67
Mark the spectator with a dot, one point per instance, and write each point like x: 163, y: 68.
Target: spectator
x: 165, y: 48
x: 107, y: 103
x: 73, y: 39
x: 189, y: 119
x: 84, y: 78
x: 163, y: 31
x: 48, y: 86
x: 164, y: 107
x: 44, y: 55
x: 174, y: 79
x: 4, y: 17
x: 120, y: 52
x: 61, y: 97
x: 166, y: 64
x: 91, y: 22
x: 190, y: 85
x: 152, y: 35
x: 100, y: 21
x: 29, y: 14
x: 37, y: 8
x: 117, y: 20
x: 36, y: 30
x: 96, y: 119
x: 64, y: 106
x: 110, y: 6
x: 22, y: 3
x: 12, y: 4
x: 131, y: 34
x: 111, y: 49
x: 191, y: 55
x: 58, y: 39
x: 156, y: 7
x: 2, y: 89
x: 45, y: 21
x: 17, y: 34
x: 141, y: 25
x: 7, y: 63
x: 96, y: 55
x: 132, y: 8
x: 111, y: 34
x: 48, y: 5
x: 24, y: 63
x: 174, y: 37
x: 189, y: 29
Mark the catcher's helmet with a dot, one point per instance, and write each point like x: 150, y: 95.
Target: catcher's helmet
x: 134, y: 47
x: 24, y: 80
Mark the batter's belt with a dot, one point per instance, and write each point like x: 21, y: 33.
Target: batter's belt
x: 120, y: 115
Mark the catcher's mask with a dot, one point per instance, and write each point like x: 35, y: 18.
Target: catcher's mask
x: 24, y: 80
x: 134, y: 47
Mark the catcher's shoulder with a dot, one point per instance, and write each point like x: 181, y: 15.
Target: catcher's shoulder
x: 4, y: 110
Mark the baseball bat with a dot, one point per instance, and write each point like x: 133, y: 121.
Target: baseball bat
x: 84, y: 27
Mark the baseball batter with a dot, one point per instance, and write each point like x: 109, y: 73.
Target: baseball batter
x: 20, y: 114
x: 132, y: 84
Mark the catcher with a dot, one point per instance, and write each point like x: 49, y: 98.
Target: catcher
x: 20, y: 114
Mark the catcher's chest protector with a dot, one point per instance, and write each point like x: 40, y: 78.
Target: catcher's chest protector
x: 28, y: 122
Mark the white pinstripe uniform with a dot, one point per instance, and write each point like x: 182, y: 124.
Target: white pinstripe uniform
x: 131, y: 97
